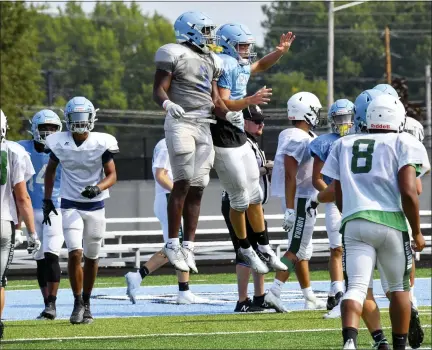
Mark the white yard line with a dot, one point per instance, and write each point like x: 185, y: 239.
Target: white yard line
x: 153, y: 335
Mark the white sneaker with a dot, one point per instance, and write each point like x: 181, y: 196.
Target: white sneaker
x: 349, y: 344
x: 269, y: 257
x: 334, y: 313
x: 133, y: 281
x: 253, y: 260
x: 187, y: 297
x: 313, y: 303
x: 189, y: 258
x: 275, y: 302
x: 176, y: 257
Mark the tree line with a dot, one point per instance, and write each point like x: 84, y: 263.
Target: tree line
x: 107, y: 55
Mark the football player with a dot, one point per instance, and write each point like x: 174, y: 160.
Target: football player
x: 373, y: 222
x: 254, y: 125
x: 371, y: 314
x: 163, y: 185
x: 44, y: 123
x: 340, y: 117
x: 88, y: 170
x: 185, y: 86
x: 16, y: 169
x: 235, y: 162
x: 387, y: 89
x: 292, y: 183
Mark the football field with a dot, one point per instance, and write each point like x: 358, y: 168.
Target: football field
x: 157, y: 322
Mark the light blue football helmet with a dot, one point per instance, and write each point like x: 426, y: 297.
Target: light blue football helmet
x: 196, y: 28
x: 340, y: 116
x: 44, y: 117
x: 360, y: 107
x: 80, y: 115
x: 387, y: 89
x: 231, y: 35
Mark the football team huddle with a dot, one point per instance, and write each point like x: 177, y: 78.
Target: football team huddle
x: 365, y: 172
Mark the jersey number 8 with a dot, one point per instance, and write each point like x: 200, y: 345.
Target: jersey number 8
x: 364, y: 154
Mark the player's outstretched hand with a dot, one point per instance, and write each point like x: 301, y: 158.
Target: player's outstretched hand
x: 91, y: 192
x: 419, y: 242
x: 261, y: 97
x: 47, y: 208
x: 285, y: 42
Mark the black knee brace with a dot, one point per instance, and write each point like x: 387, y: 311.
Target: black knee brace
x: 52, y: 267
x: 41, y: 273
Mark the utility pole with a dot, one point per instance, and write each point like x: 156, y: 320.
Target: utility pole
x: 428, y: 103
x: 330, y: 55
x: 387, y: 54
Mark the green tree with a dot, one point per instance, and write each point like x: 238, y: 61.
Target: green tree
x: 20, y: 66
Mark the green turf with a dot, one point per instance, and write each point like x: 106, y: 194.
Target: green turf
x: 305, y: 332
x: 221, y: 278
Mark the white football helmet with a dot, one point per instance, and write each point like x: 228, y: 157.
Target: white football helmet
x: 415, y: 128
x: 304, y: 106
x: 385, y: 112
x: 3, y: 125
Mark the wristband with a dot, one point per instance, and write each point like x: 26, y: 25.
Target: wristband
x: 164, y: 104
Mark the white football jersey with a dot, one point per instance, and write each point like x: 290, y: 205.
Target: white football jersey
x: 367, y: 167
x: 293, y: 142
x: 15, y: 167
x: 81, y: 166
x: 161, y: 160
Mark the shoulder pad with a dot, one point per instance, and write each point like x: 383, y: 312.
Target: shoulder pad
x: 15, y: 147
x: 54, y: 139
x: 107, y: 140
x: 228, y: 62
x: 169, y: 52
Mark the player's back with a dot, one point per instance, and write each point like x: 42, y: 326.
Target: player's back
x: 35, y: 185
x: 192, y: 75
x: 321, y: 147
x: 15, y: 167
x: 369, y: 166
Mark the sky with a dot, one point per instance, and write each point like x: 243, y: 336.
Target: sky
x: 220, y: 12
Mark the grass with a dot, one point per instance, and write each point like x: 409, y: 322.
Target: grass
x: 295, y: 330
x: 163, y: 280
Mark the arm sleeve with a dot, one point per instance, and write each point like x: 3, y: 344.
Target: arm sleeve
x: 411, y: 151
x: 53, y: 157
x: 331, y: 166
x: 23, y: 168
x: 107, y: 156
x: 296, y: 148
x: 165, y: 59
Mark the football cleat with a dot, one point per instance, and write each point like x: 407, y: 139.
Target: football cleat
x: 313, y: 303
x: 247, y: 306
x: 49, y: 312
x: 415, y: 332
x: 332, y: 301
x: 270, y: 259
x: 187, y: 297
x: 87, y: 316
x: 383, y: 344
x: 349, y: 344
x: 189, y: 258
x: 333, y: 313
x: 78, y: 312
x: 133, y: 281
x: 275, y: 302
x: 253, y: 260
x: 176, y: 257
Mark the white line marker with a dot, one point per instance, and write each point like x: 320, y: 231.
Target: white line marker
x: 24, y: 340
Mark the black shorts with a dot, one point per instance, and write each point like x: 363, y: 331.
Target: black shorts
x: 252, y: 237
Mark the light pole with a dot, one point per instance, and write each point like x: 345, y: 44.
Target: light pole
x: 330, y: 47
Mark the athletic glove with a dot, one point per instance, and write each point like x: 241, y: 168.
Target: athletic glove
x: 236, y: 119
x: 312, y: 204
x: 19, y: 238
x: 47, y: 208
x: 33, y: 243
x: 91, y: 192
x: 289, y: 219
x: 173, y: 109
